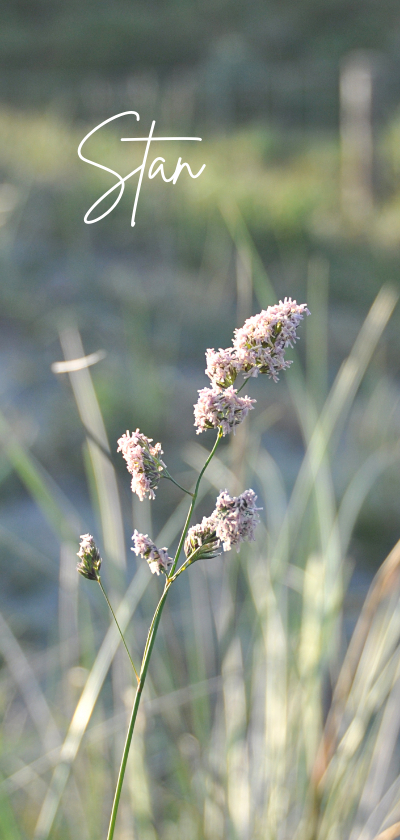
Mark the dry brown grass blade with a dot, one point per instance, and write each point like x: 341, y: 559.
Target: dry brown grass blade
x: 391, y: 833
x: 386, y: 578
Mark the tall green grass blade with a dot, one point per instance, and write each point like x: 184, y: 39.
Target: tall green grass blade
x: 245, y: 246
x: 317, y: 330
x: 62, y: 517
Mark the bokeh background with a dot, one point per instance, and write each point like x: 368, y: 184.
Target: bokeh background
x: 298, y: 107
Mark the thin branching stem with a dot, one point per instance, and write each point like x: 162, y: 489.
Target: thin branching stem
x: 183, y: 568
x: 120, y: 631
x: 193, y: 502
x: 167, y: 475
x: 242, y: 386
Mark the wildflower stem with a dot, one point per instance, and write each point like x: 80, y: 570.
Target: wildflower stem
x: 193, y: 502
x: 143, y: 671
x: 120, y: 631
x: 150, y: 642
x: 167, y: 475
x: 184, y: 567
x: 154, y: 619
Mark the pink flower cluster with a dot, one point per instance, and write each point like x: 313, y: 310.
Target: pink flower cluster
x: 261, y: 343
x: 259, y: 346
x: 157, y: 558
x: 220, y: 407
x: 233, y: 521
x: 143, y: 462
x: 235, y: 518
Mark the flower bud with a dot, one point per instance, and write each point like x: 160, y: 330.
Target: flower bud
x: 90, y: 560
x: 203, y: 540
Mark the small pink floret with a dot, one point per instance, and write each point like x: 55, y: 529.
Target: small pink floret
x: 143, y: 462
x: 222, y: 366
x: 220, y: 407
x: 157, y: 558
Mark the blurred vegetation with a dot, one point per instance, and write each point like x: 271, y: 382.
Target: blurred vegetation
x: 130, y: 35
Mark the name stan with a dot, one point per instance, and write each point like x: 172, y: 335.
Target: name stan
x: 156, y: 167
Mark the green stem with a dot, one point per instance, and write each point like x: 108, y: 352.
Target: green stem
x: 167, y: 475
x: 120, y: 631
x: 182, y: 569
x: 188, y: 562
x: 143, y: 671
x: 191, y: 559
x: 153, y: 621
x: 192, y: 504
x: 242, y: 385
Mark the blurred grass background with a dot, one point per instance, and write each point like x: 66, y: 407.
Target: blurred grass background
x: 285, y: 206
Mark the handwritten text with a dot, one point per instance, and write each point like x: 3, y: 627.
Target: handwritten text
x: 155, y: 168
